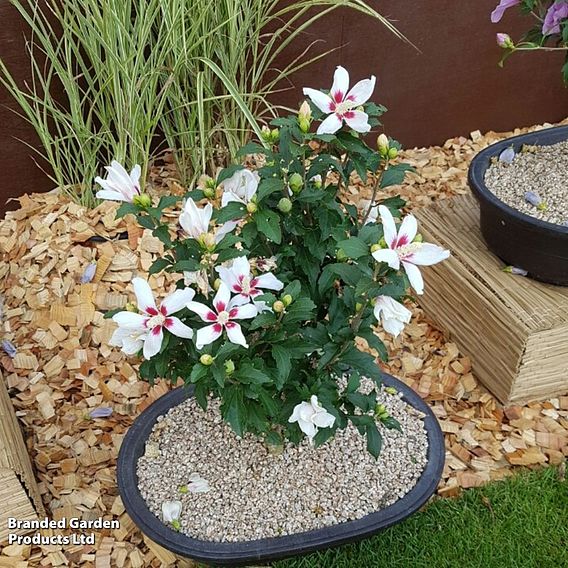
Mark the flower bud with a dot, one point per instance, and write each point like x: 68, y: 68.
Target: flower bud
x: 252, y: 207
x: 285, y: 205
x: 130, y: 307
x: 206, y: 359
x: 266, y: 134
x: 143, y: 200
x: 304, y: 125
x: 207, y: 241
x: 275, y: 135
x: 229, y: 367
x: 183, y: 489
x: 393, y: 153
x: 209, y: 192
x: 278, y: 306
x: 217, y: 284
x: 287, y: 300
x: 317, y: 181
x: 176, y: 525
x: 376, y: 247
x: 340, y: 255
x: 296, y: 183
x: 358, y: 307
x: 381, y: 412
x: 383, y: 243
x: 391, y: 390
x: 383, y: 145
x: 418, y: 238
x: 305, y: 111
x: 505, y: 41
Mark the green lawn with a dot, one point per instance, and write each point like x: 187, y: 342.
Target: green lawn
x: 521, y: 522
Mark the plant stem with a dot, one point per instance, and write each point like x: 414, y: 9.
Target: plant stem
x: 374, y: 194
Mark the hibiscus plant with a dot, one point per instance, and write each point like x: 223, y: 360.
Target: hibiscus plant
x: 280, y: 278
x: 549, y: 32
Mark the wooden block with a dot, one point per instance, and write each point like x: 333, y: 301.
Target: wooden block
x: 512, y: 328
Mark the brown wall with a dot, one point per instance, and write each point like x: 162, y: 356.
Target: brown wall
x: 450, y: 87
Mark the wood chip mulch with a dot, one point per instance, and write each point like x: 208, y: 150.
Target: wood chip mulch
x: 64, y: 370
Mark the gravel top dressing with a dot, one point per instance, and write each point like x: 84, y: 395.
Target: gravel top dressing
x: 255, y: 494
x: 541, y: 170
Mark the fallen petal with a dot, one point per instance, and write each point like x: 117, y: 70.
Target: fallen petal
x: 101, y: 412
x: 507, y: 156
x: 9, y: 348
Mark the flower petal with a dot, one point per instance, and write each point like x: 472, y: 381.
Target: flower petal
x: 428, y: 254
x: 177, y: 300
x: 389, y: 227
x: 177, y: 327
x: 153, y: 342
x: 358, y: 121
x: 389, y: 256
x: 330, y: 125
x: 362, y: 91
x: 246, y: 311
x: 112, y: 195
x: 235, y: 333
x: 268, y: 281
x: 321, y: 100
x: 144, y: 296
x: 415, y: 277
x: 407, y: 231
x: 340, y: 84
x: 323, y: 419
x: 208, y: 334
x: 203, y: 311
x: 222, y: 297
x: 224, y: 230
x: 129, y: 320
x: 171, y: 510
x: 392, y: 326
x: 228, y: 276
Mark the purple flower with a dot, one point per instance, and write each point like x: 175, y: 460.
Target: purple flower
x: 497, y: 14
x: 533, y: 198
x: 9, y: 348
x: 89, y: 273
x: 515, y: 270
x: 556, y: 13
x: 507, y: 155
x: 101, y: 412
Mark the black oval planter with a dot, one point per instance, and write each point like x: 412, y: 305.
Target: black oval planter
x: 263, y: 550
x: 520, y: 240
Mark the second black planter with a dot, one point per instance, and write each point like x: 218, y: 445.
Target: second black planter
x: 539, y: 247
x: 267, y: 549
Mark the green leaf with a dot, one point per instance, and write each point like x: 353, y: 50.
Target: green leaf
x: 230, y: 253
x: 300, y: 310
x: 189, y: 265
x: 353, y: 383
x: 269, y: 186
x: 233, y: 210
x: 145, y: 222
x: 395, y: 175
x: 262, y: 320
x: 294, y: 289
x: 349, y: 273
x: 233, y: 409
x: 158, y: 265
x: 126, y: 208
x: 252, y: 148
x: 374, y: 440
x: 363, y: 362
x: 268, y: 223
x: 374, y: 342
x: 163, y: 233
x: 281, y: 357
x: 391, y: 423
x: 198, y: 372
x: 354, y: 247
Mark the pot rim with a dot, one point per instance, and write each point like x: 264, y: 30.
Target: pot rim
x: 272, y: 548
x: 482, y: 160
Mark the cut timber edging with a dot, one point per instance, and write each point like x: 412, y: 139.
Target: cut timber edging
x: 514, y: 329
x: 19, y: 494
